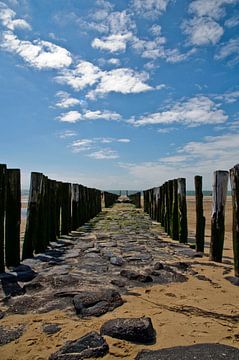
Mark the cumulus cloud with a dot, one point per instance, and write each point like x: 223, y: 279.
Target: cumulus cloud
x: 7, y: 17
x: 112, y: 43
x: 39, y: 54
x: 203, y: 28
x: 70, y: 117
x: 122, y: 80
x: 150, y: 8
x: 87, y: 115
x: 203, y: 31
x: 230, y: 51
x: 193, y: 112
x: 65, y: 100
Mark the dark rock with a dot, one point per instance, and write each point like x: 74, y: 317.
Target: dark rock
x: 138, y: 330
x: 8, y: 335
x: 11, y: 288
x: 116, y: 260
x: 2, y: 314
x: 96, y: 303
x: 193, y: 352
x: 90, y: 345
x: 132, y: 275
x: 50, y: 329
x: 158, y: 266
x: 234, y: 280
x: 118, y: 282
x: 26, y: 276
x: 198, y: 254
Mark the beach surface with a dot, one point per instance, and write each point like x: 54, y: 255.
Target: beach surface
x: 202, y: 308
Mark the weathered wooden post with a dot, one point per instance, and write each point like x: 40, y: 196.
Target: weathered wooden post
x: 13, y: 218
x: 32, y: 222
x: 234, y: 177
x: 75, y: 203
x: 42, y: 237
x: 163, y: 206
x: 218, y: 215
x: 200, y: 219
x: 174, y: 217
x: 170, y: 207
x: 3, y: 171
x: 66, y: 209
x: 182, y: 209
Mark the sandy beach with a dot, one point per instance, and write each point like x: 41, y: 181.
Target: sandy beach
x: 200, y: 310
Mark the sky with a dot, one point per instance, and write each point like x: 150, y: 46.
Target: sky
x: 119, y: 94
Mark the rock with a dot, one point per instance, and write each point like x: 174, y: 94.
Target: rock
x: 133, y: 275
x: 117, y: 260
x: 96, y: 303
x: 138, y: 330
x: 234, y: 280
x: 192, y: 352
x: 8, y: 335
x: 118, y: 282
x: 198, y: 254
x: 90, y: 345
x: 34, y: 285
x: 50, y: 329
x: 2, y: 314
x: 158, y: 266
x: 11, y: 288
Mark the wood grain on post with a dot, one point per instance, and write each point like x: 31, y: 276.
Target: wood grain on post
x: 220, y: 182
x: 174, y: 217
x: 32, y: 222
x: 3, y: 171
x: 42, y: 237
x: 200, y: 219
x: 234, y: 177
x: 13, y: 218
x: 182, y: 211
x: 66, y: 209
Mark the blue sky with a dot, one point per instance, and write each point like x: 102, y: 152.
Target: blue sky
x: 119, y: 94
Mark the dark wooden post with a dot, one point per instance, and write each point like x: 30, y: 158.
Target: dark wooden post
x: 31, y: 231
x: 42, y: 237
x: 66, y: 209
x: 13, y: 218
x: 163, y: 206
x: 170, y: 205
x: 174, y: 217
x: 200, y: 219
x: 218, y: 215
x: 234, y: 177
x: 58, y: 208
x: 75, y: 204
x: 3, y: 171
x: 182, y: 208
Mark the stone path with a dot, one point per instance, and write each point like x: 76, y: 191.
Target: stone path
x: 86, y: 272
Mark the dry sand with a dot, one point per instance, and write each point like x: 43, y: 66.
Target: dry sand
x: 182, y: 313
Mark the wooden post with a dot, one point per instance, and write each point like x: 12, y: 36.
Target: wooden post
x: 42, y: 237
x: 66, y: 209
x: 32, y: 215
x: 170, y: 205
x: 234, y: 177
x: 13, y: 218
x: 75, y: 201
x: 200, y: 219
x: 3, y: 171
x: 218, y: 215
x: 182, y: 208
x: 174, y: 217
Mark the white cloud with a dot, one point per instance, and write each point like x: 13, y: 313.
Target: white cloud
x: 82, y: 145
x: 104, y: 154
x: 203, y: 31
x: 122, y: 80
x: 202, y: 158
x: 105, y: 115
x: 123, y: 140
x: 232, y: 22
x: 67, y: 134
x: 74, y: 116
x: 114, y: 61
x: 85, y: 74
x: 166, y: 130
x: 212, y: 8
x: 193, y: 112
x: 7, y: 17
x: 65, y: 100
x: 150, y: 8
x: 229, y: 50
x: 112, y: 43
x: 229, y: 97
x: 70, y: 117
x: 39, y: 54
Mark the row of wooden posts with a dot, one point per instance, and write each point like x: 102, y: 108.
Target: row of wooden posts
x: 54, y: 208
x: 136, y: 199
x: 167, y: 205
